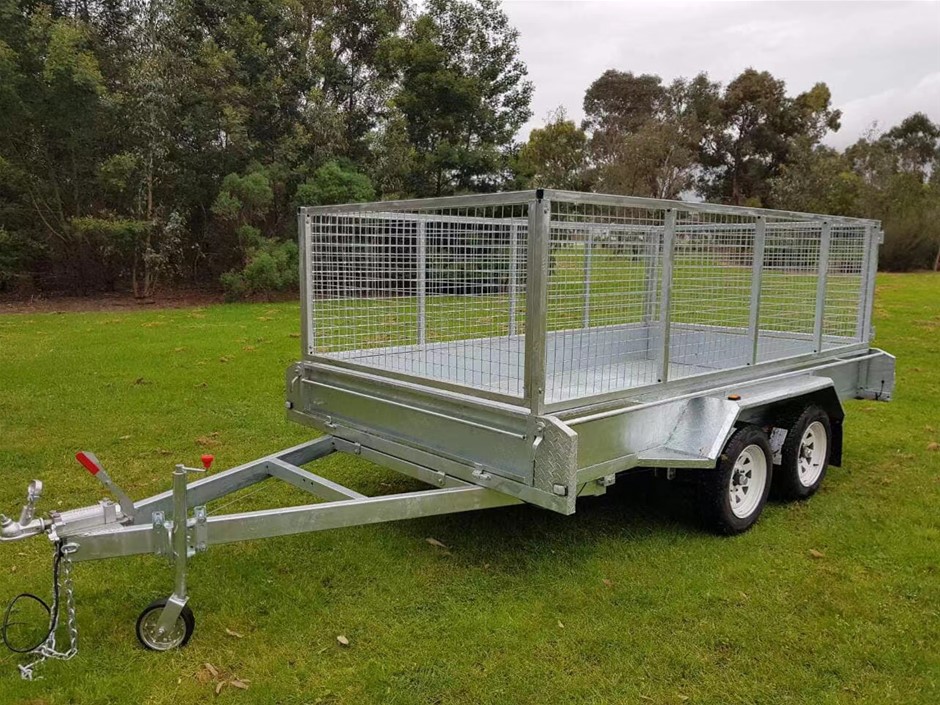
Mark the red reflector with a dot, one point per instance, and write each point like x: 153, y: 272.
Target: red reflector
x: 89, y: 461
x: 207, y: 460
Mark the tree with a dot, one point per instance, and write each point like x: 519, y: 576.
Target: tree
x: 463, y: 95
x: 54, y: 116
x: 916, y: 144
x: 555, y: 156
x: 751, y: 134
x: 886, y: 177
x: 818, y: 179
x: 350, y: 45
x: 619, y: 102
x: 335, y: 183
x: 645, y: 136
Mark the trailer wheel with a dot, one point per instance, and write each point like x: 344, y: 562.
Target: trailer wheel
x: 736, y: 491
x: 805, y: 454
x: 149, y: 636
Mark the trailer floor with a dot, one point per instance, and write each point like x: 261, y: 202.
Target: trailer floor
x: 583, y: 362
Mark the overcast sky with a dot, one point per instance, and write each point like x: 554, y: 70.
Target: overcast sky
x: 880, y: 59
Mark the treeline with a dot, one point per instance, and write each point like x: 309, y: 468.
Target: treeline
x: 169, y: 141
x: 143, y: 140
x: 746, y: 143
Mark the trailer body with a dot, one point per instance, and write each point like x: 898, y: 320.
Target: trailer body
x: 529, y: 347
x: 541, y: 342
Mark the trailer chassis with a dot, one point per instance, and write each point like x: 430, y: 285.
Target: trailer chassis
x: 176, y: 524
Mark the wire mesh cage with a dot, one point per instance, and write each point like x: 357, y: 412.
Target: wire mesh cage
x: 554, y: 297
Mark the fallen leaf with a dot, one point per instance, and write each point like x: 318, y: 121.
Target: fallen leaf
x: 682, y: 697
x: 219, y: 686
x: 560, y: 624
x: 124, y: 438
x: 744, y: 596
x: 816, y: 554
x: 342, y: 640
x: 223, y: 359
x: 608, y: 582
x: 234, y: 634
x: 435, y: 542
x: 212, y: 669
x: 235, y: 683
x: 933, y: 446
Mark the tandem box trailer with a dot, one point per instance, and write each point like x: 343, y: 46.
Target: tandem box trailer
x: 528, y: 347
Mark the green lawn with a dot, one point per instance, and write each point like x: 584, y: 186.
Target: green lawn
x: 834, y: 600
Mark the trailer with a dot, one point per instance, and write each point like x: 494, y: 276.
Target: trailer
x: 528, y: 347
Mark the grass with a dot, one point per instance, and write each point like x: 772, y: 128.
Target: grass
x: 626, y: 601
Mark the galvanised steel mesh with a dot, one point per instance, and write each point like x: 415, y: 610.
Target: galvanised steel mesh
x: 434, y: 293
x: 634, y: 294
x: 602, y: 298
x: 844, y: 314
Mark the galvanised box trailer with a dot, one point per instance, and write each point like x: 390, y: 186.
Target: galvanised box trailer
x: 531, y: 347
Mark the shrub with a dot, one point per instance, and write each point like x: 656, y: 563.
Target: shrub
x: 271, y: 266
x: 334, y: 183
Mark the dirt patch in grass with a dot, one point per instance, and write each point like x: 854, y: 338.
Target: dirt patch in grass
x: 182, y: 298
x: 177, y: 298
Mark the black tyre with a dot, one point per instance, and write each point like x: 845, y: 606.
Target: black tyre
x: 805, y: 453
x: 177, y: 637
x: 734, y: 494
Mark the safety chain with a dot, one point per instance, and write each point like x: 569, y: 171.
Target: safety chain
x: 60, y: 581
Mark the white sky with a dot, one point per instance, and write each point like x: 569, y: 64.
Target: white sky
x: 881, y: 60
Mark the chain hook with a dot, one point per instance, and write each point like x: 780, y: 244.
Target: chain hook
x: 60, y: 581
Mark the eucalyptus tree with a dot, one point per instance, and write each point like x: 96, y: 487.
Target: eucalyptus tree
x: 463, y: 94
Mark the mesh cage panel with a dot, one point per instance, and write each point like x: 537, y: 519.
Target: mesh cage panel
x: 713, y: 260
x: 788, y: 289
x: 845, y: 281
x: 440, y: 293
x: 432, y: 293
x: 602, y: 296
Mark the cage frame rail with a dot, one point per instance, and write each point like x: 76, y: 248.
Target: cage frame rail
x: 541, y: 222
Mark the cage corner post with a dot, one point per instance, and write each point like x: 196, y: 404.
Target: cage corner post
x: 823, y: 263
x: 757, y: 275
x: 665, y: 294
x: 306, y: 303
x: 536, y: 301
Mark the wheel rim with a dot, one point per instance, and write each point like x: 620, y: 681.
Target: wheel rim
x: 812, y: 456
x: 748, y: 480
x: 150, y: 632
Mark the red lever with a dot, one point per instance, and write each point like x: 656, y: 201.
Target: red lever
x: 207, y: 460
x: 89, y: 461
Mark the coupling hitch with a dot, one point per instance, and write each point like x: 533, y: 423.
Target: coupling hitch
x: 59, y: 524
x: 28, y: 525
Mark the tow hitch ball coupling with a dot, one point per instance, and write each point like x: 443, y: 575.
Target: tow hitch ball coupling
x: 28, y: 525
x: 60, y: 524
